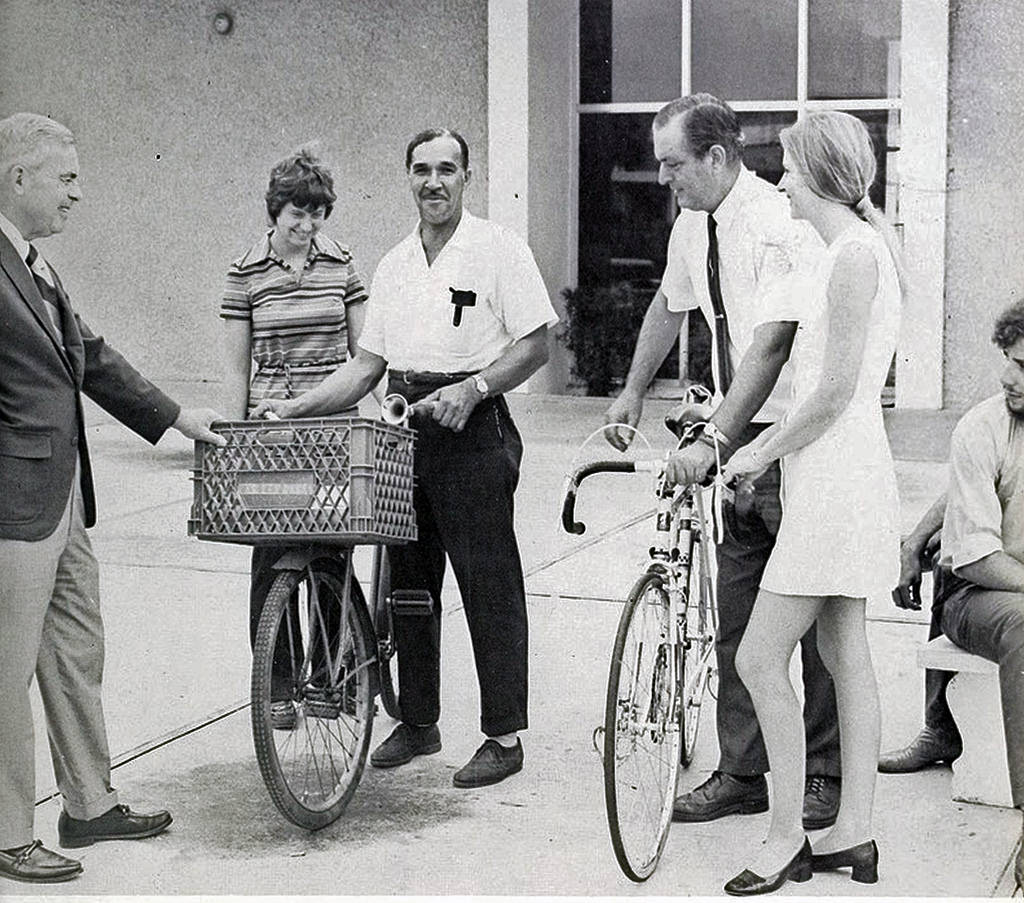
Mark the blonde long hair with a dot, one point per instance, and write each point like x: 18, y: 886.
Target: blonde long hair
x: 834, y: 152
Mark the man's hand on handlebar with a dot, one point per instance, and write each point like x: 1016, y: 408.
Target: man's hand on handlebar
x: 689, y: 464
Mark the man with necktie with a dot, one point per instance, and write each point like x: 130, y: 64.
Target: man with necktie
x: 735, y: 253
x: 50, y: 622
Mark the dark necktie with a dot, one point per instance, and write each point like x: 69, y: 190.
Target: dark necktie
x: 48, y: 292
x: 721, y: 328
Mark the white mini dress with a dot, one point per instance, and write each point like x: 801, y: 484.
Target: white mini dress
x: 840, y: 509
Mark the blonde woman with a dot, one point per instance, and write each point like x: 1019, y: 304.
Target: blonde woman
x: 838, y: 540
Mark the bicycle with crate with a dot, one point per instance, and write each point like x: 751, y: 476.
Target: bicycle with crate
x: 662, y: 660
x: 317, y: 487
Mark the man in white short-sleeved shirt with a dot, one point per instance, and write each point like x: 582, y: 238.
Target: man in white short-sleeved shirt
x: 458, y: 314
x: 735, y: 253
x: 978, y: 600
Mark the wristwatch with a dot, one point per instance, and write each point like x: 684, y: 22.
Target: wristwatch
x: 481, y: 384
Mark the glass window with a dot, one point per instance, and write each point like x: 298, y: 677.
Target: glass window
x: 629, y: 50
x: 743, y: 50
x: 853, y: 49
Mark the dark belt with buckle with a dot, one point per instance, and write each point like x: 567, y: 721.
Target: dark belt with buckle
x: 427, y: 377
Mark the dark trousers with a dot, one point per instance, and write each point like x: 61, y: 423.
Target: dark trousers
x: 936, y: 710
x: 465, y: 484
x: 990, y: 623
x: 742, y: 556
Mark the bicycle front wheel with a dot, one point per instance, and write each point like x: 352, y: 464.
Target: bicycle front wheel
x: 641, y: 730
x: 312, y: 704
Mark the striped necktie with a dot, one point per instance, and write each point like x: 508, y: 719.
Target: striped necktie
x: 48, y: 292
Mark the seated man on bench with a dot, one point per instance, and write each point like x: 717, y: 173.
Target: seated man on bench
x: 983, y: 547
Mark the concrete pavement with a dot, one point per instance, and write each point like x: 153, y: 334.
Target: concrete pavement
x: 177, y: 684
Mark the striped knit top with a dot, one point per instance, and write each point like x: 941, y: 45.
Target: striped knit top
x: 298, y: 320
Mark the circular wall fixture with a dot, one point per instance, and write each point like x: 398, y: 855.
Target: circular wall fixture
x: 223, y: 23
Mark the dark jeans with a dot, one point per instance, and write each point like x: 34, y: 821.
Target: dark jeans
x: 990, y: 623
x: 749, y: 538
x: 465, y: 484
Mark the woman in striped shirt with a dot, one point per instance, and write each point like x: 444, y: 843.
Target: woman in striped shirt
x: 293, y: 303
x: 293, y: 310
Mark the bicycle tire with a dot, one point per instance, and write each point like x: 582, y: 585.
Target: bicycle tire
x: 312, y: 770
x: 697, y: 663
x: 384, y: 628
x: 642, y: 730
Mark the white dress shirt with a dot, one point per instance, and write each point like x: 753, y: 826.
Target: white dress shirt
x: 763, y: 256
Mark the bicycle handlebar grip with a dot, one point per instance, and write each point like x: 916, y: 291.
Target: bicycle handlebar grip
x: 569, y: 522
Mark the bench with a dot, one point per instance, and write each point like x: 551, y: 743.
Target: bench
x: 980, y: 774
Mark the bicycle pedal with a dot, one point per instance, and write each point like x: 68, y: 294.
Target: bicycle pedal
x: 324, y: 704
x: 412, y: 602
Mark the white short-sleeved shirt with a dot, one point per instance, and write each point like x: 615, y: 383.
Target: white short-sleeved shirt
x: 412, y: 322
x: 985, y: 502
x: 764, y: 258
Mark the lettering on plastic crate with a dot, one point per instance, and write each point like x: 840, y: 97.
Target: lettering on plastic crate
x: 288, y: 489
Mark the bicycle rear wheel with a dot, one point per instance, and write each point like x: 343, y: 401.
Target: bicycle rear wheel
x: 698, y: 657
x: 312, y: 759
x: 641, y: 730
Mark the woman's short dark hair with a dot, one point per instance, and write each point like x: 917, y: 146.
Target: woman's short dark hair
x: 429, y: 135
x: 300, y: 179
x: 1010, y: 326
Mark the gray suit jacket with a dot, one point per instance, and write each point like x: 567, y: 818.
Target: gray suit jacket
x: 41, y: 386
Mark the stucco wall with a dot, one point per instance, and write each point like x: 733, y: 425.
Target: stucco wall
x: 552, y: 114
x: 985, y: 204
x: 178, y: 127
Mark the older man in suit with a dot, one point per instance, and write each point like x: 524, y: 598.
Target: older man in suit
x: 50, y: 621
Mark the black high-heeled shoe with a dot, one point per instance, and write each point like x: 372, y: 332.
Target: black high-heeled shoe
x: 863, y: 859
x: 748, y: 883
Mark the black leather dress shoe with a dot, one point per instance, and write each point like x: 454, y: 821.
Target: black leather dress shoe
x: 928, y: 748
x: 490, y: 764
x: 720, y: 795
x: 821, y: 801
x: 862, y: 859
x: 37, y: 865
x: 406, y: 742
x: 748, y: 883
x: 119, y: 823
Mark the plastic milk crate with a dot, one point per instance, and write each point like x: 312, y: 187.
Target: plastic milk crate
x: 334, y: 479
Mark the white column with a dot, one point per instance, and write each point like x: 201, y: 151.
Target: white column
x: 925, y: 37
x: 508, y: 113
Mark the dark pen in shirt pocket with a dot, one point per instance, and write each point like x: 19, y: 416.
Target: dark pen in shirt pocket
x: 461, y: 298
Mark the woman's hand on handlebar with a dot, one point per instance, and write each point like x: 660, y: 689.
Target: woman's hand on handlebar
x: 745, y: 465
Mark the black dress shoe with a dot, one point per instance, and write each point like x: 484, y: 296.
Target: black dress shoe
x: 863, y: 859
x: 37, y: 865
x: 490, y: 764
x: 720, y: 795
x: 821, y: 801
x: 748, y: 883
x: 119, y: 823
x: 928, y: 748
x: 406, y: 742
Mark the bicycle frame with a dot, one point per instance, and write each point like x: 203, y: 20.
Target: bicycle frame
x: 661, y: 664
